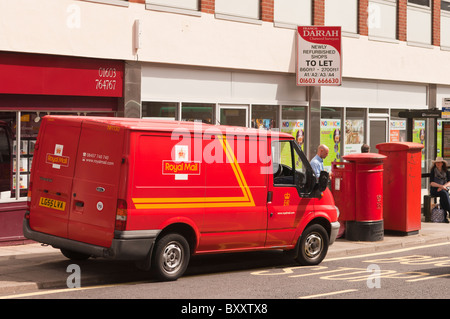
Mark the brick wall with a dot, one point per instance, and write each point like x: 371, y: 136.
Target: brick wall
x: 436, y: 12
x: 401, y: 23
x: 207, y: 6
x: 363, y: 14
x: 267, y: 10
x: 319, y: 12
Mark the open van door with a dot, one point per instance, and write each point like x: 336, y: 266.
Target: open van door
x: 289, y: 192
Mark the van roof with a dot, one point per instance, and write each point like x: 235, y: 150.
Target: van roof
x: 168, y: 125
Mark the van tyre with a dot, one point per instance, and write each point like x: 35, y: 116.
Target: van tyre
x: 171, y: 257
x: 74, y: 255
x: 313, y: 245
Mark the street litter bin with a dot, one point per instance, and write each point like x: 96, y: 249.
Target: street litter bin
x: 357, y: 187
x: 402, y: 187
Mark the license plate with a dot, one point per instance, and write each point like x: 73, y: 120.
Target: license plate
x: 52, y: 203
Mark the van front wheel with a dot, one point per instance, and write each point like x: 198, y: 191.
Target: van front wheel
x: 170, y: 257
x: 313, y: 245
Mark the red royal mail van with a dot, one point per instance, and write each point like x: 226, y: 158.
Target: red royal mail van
x: 157, y: 192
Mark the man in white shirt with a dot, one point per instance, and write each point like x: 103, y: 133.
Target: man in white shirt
x: 317, y: 161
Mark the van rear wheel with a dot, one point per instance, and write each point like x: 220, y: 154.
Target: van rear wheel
x: 313, y: 245
x: 170, y: 257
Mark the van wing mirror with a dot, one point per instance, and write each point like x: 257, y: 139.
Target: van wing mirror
x: 323, y: 181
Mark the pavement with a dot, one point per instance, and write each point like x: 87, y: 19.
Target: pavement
x: 32, y: 267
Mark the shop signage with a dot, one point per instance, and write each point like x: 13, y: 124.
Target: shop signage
x: 60, y: 75
x: 446, y: 108
x: 420, y: 114
x: 319, y: 59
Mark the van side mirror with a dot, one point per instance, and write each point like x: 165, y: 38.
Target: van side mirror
x: 323, y: 180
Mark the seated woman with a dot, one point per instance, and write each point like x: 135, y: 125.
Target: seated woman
x: 439, y: 181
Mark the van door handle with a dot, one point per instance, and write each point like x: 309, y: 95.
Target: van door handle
x: 269, y: 197
x: 79, y: 204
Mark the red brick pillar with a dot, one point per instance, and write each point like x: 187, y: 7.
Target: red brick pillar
x: 401, y: 19
x: 267, y: 10
x: 436, y: 12
x: 363, y: 15
x: 207, y: 6
x: 319, y: 12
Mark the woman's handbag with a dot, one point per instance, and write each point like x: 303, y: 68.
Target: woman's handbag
x: 437, y: 214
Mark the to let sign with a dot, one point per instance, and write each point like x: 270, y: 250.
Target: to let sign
x: 319, y: 56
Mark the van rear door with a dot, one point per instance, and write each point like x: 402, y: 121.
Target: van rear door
x: 96, y: 183
x: 56, y: 151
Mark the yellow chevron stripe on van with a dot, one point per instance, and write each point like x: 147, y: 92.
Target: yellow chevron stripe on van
x: 245, y: 200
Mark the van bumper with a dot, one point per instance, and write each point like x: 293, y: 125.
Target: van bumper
x: 126, y: 245
x: 334, y: 231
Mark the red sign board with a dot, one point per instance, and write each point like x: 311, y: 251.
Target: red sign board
x: 319, y: 60
x: 57, y: 75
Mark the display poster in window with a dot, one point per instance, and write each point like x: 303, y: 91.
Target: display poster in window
x: 439, y: 138
x: 397, y: 131
x: 265, y: 124
x: 446, y: 139
x: 330, y: 135
x: 296, y: 128
x: 419, y: 136
x: 354, y: 136
x: 319, y: 56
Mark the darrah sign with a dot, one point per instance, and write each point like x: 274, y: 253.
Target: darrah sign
x: 58, y: 75
x: 319, y: 56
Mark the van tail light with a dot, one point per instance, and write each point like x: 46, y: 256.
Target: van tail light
x: 121, y: 215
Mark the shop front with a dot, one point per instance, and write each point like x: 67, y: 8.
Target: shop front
x: 32, y: 86
x: 260, y: 100
x: 370, y: 112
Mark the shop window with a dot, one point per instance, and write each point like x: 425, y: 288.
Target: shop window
x: 293, y: 122
x: 331, y: 134
x: 342, y: 13
x: 382, y: 19
x: 439, y: 138
x: 397, y: 127
x: 198, y: 112
x: 5, y: 158
x: 160, y: 110
x: 354, y: 130
x: 265, y: 116
x: 247, y: 9
x: 293, y: 12
x: 18, y: 133
x: 419, y: 24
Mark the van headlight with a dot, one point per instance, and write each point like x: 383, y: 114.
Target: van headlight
x: 338, y: 212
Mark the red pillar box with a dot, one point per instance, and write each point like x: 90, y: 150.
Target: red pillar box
x: 358, y: 186
x: 343, y: 190
x: 402, y: 186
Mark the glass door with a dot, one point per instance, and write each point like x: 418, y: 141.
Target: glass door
x: 236, y: 115
x: 378, y: 133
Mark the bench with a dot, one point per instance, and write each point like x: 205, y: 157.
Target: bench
x: 427, y: 206
x: 427, y: 202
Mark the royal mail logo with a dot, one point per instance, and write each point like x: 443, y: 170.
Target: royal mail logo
x: 57, y: 159
x: 172, y: 168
